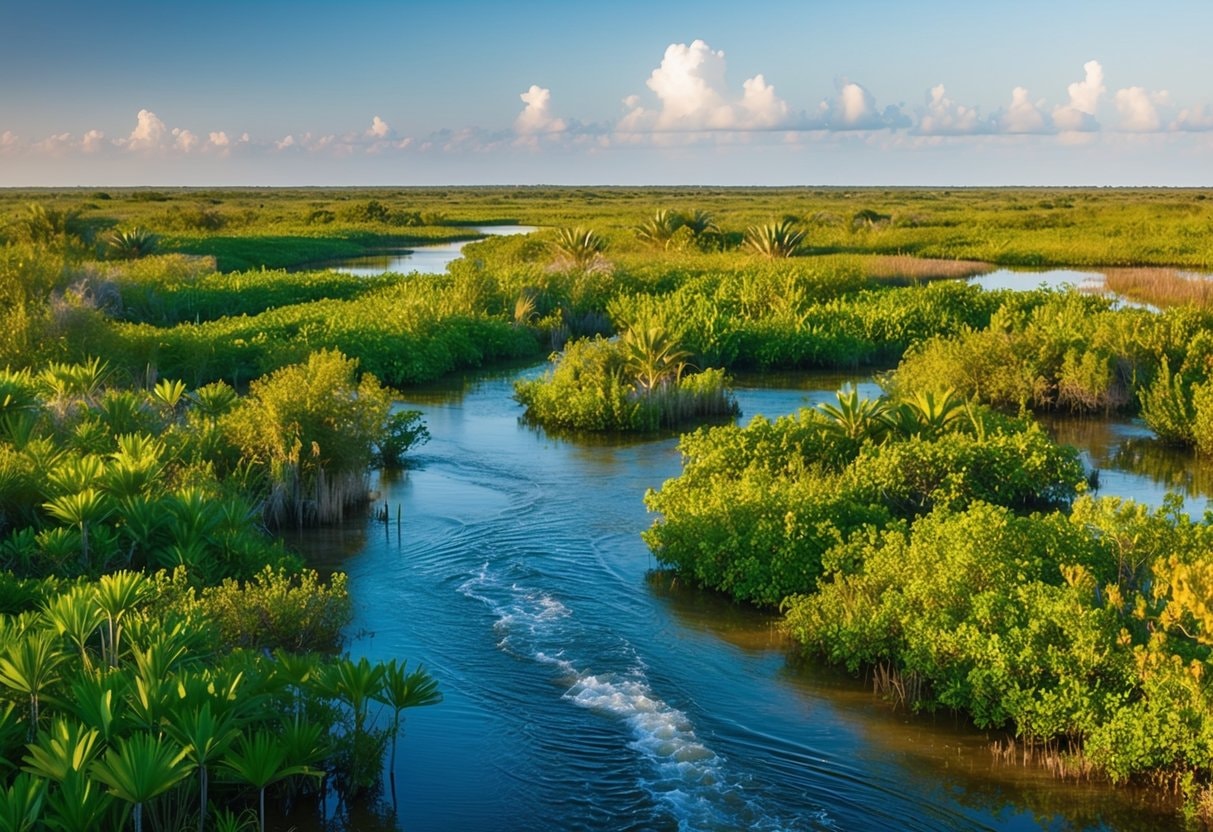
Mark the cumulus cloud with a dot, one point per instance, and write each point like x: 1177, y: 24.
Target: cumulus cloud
x: 854, y: 108
x: 1198, y: 118
x: 54, y: 145
x: 693, y: 95
x: 184, y: 140
x: 219, y: 139
x: 92, y: 141
x: 379, y: 128
x: 944, y: 117
x: 537, y: 117
x: 286, y: 142
x: 1079, y: 113
x: 149, y: 132
x: 1137, y: 111
x: 1023, y: 115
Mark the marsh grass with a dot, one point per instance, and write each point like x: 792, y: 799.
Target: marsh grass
x: 1162, y: 287
x: 910, y: 269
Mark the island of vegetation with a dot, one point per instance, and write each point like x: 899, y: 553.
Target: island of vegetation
x: 183, y: 379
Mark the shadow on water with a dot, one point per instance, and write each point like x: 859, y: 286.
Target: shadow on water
x: 935, y: 753
x: 1133, y: 463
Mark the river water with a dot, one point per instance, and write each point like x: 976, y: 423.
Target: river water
x: 427, y: 259
x: 581, y: 692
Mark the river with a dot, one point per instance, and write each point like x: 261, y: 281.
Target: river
x: 582, y: 693
x: 427, y: 259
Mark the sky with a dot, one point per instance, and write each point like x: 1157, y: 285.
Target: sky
x: 524, y: 92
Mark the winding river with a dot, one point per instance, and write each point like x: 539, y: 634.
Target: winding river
x: 583, y: 693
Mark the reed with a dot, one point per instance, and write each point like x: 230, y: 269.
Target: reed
x: 1162, y: 287
x: 908, y: 268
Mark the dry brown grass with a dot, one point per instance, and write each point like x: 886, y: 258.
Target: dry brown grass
x: 906, y: 267
x: 1162, y: 287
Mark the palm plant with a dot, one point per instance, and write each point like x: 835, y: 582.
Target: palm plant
x: 402, y: 690
x: 75, y: 473
x: 260, y: 761
x: 214, y: 400
x: 659, y: 229
x: 168, y: 395
x: 206, y: 738
x: 92, y: 697
x: 130, y: 243
x: 29, y: 666
x: 74, y: 615
x: 775, y: 240
x: 855, y: 418
x: 579, y: 246
x: 140, y: 767
x: 68, y: 748
x: 356, y: 684
x: 82, y: 510
x: 21, y: 803
x: 652, y: 355
x: 142, y: 522
x: 118, y: 594
x: 699, y: 223
x: 927, y: 415
x: 124, y: 411
x: 78, y: 805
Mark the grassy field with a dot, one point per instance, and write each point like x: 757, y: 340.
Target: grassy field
x: 1015, y: 227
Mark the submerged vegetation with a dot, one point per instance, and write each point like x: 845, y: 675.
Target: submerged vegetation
x: 152, y: 657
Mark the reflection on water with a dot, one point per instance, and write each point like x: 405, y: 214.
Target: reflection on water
x: 426, y: 259
x: 1133, y: 463
x: 1049, y: 279
x: 938, y: 753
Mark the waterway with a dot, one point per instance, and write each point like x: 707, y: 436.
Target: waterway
x: 427, y: 259
x: 583, y: 692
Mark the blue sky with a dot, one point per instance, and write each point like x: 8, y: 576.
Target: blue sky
x: 399, y: 93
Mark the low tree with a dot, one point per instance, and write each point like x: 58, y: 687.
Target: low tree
x: 313, y: 428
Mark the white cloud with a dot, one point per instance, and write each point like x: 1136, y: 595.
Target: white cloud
x: 285, y: 142
x: 148, y: 134
x: 1079, y: 114
x: 219, y: 139
x: 537, y: 116
x: 1198, y: 118
x: 92, y: 141
x: 1023, y: 115
x: 379, y: 128
x: 944, y: 117
x: 759, y: 104
x: 54, y: 145
x: 693, y: 96
x: 854, y: 108
x: 184, y: 140
x: 1138, y: 113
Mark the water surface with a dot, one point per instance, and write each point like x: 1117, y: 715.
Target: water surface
x: 583, y: 692
x: 426, y: 259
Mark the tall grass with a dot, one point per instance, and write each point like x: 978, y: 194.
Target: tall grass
x: 907, y: 267
x: 1162, y: 287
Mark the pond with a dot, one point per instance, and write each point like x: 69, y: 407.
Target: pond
x: 584, y: 692
x: 427, y: 259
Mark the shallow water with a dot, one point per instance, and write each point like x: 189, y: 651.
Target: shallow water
x: 1084, y: 281
x: 582, y: 692
x: 426, y: 259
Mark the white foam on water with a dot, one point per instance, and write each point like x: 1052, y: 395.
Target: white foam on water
x: 684, y: 775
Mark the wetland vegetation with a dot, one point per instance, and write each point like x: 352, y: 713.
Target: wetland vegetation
x: 181, y: 386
